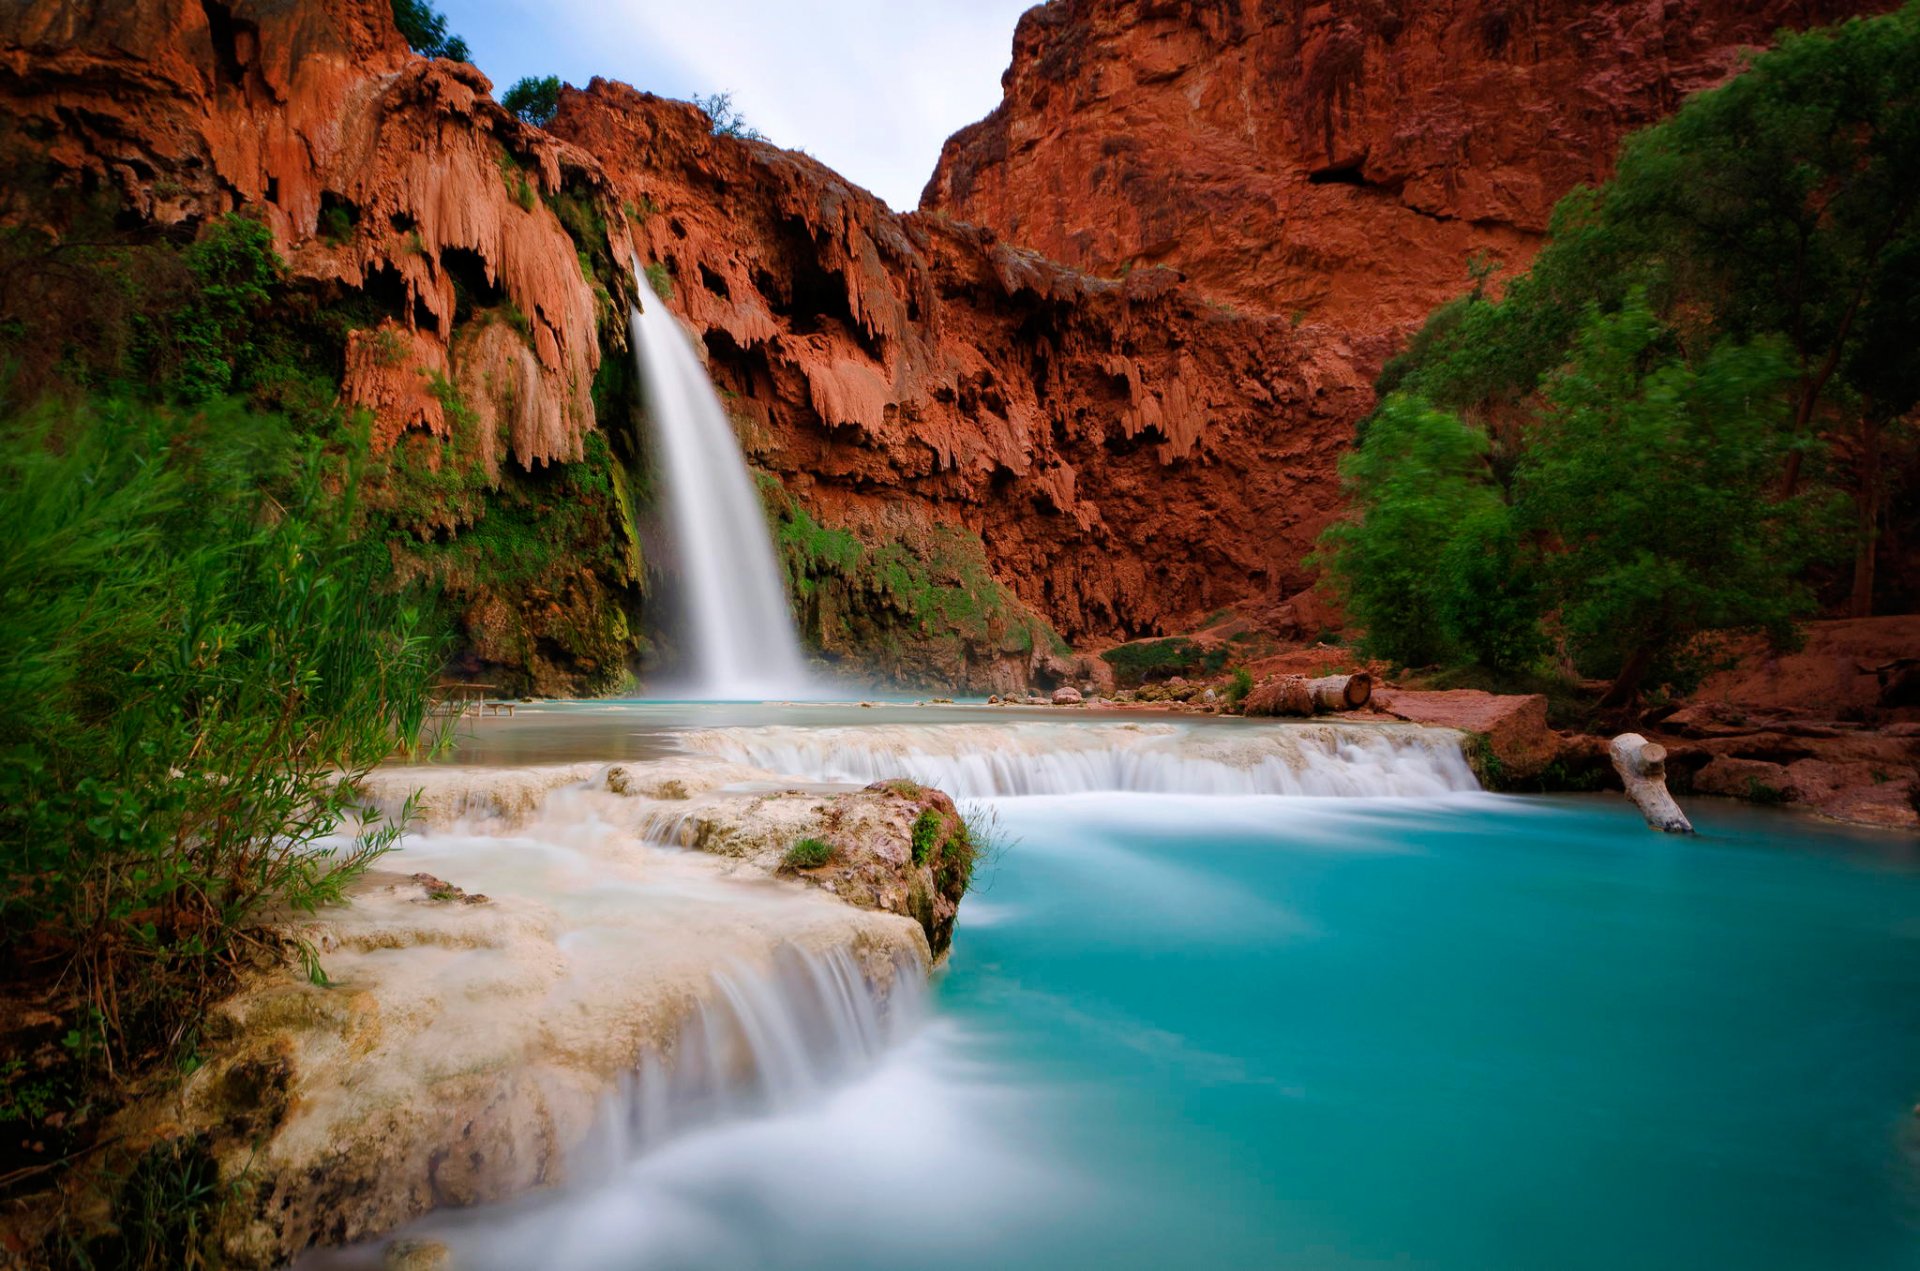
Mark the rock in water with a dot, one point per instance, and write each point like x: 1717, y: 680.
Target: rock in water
x: 1642, y: 766
x: 416, y: 1255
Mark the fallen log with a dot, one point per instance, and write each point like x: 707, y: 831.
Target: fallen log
x: 1281, y: 695
x: 1341, y: 692
x: 1642, y: 766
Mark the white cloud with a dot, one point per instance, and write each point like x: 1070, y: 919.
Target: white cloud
x: 869, y: 87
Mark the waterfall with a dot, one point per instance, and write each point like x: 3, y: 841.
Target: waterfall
x: 738, y: 640
x: 971, y: 761
x: 770, y: 1038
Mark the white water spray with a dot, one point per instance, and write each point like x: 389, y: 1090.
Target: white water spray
x: 976, y: 761
x: 738, y: 638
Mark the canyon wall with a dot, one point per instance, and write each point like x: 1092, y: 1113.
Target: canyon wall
x: 1099, y: 384
x: 1344, y: 161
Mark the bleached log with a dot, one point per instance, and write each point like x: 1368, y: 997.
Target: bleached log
x: 1642, y: 766
x: 1341, y: 692
x: 1281, y: 695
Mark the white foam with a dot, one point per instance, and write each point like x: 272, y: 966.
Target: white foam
x: 999, y: 760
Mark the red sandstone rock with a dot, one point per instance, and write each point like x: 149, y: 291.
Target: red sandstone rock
x: 1515, y: 726
x: 191, y: 109
x: 1131, y: 455
x: 1342, y: 161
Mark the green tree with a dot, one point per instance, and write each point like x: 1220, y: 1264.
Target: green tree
x: 534, y: 100
x: 726, y: 119
x: 1421, y: 475
x: 1650, y: 478
x: 425, y: 29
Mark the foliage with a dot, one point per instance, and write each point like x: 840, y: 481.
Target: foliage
x: 808, y: 853
x: 1640, y: 440
x: 660, y: 280
x: 425, y: 29
x: 1143, y: 660
x: 533, y: 99
x: 1421, y: 476
x: 1654, y: 475
x: 1239, y: 686
x: 235, y: 269
x: 725, y: 119
x: 201, y: 657
x: 927, y: 828
x: 1783, y: 206
x: 924, y: 595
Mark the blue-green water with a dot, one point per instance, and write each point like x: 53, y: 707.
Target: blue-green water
x: 1492, y: 1033
x: 1466, y: 1034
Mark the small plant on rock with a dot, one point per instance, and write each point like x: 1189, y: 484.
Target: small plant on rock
x: 808, y: 853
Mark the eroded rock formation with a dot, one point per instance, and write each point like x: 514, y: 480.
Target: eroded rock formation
x: 1130, y: 453
x: 1339, y: 161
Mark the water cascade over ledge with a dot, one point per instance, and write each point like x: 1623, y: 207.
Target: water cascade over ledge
x: 737, y: 640
x: 971, y: 761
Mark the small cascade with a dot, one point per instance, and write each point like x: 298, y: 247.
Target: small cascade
x: 738, y: 639
x: 768, y: 1039
x: 991, y: 760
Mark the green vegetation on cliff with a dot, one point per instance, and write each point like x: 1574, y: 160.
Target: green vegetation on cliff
x: 919, y: 606
x: 1647, y: 438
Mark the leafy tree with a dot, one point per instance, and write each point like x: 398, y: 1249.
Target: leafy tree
x: 1421, y: 475
x: 534, y: 100
x: 1649, y: 480
x: 1785, y: 204
x: 425, y: 29
x: 725, y: 119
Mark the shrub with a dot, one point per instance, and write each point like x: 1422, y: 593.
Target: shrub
x: 533, y: 100
x: 725, y: 119
x: 1143, y: 660
x: 200, y: 660
x: 808, y: 853
x: 1239, y: 686
x: 927, y: 828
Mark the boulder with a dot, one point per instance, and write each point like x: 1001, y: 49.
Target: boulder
x: 1514, y: 726
x: 1066, y: 696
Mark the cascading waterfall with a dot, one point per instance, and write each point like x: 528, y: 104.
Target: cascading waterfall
x: 993, y: 760
x: 738, y: 638
x: 770, y: 1038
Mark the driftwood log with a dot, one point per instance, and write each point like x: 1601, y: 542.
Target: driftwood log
x: 1642, y: 766
x: 1341, y: 692
x: 1298, y: 695
x: 1281, y: 695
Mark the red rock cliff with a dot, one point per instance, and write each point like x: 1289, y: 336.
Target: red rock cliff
x: 1344, y: 160
x: 1131, y: 454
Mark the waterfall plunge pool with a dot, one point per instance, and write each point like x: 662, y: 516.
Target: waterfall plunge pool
x: 1454, y: 1031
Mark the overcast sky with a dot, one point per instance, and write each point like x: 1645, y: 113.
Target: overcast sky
x: 868, y: 87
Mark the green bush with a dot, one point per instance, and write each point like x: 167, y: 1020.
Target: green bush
x: 808, y: 853
x: 1239, y: 686
x: 1146, y: 660
x: 201, y: 658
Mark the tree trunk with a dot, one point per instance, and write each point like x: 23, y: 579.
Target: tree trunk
x: 1642, y: 766
x: 1341, y: 692
x: 1282, y: 695
x: 1626, y: 685
x: 1866, y: 499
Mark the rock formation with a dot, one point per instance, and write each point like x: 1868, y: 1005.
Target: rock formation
x: 1112, y: 406
x: 1341, y: 162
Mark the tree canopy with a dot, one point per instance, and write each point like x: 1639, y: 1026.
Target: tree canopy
x: 1642, y: 439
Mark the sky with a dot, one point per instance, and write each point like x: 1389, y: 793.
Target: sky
x: 868, y: 87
